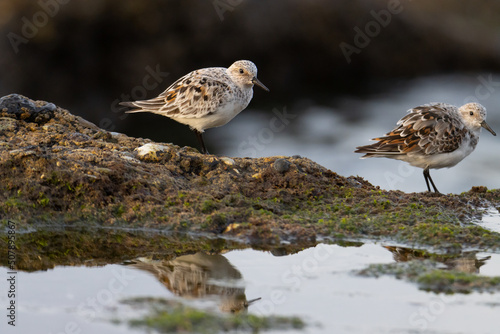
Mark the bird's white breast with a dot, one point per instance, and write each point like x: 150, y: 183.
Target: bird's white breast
x: 221, y: 116
x: 441, y: 160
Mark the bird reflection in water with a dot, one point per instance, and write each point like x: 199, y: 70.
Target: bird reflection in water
x: 200, y: 276
x: 466, y: 262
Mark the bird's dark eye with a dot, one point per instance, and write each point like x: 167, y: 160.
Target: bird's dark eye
x: 471, y: 113
x: 241, y: 71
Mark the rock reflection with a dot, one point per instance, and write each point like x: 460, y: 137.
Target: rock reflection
x: 200, y: 275
x: 466, y: 262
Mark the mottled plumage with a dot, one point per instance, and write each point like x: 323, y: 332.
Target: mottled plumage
x: 435, y: 135
x: 205, y: 98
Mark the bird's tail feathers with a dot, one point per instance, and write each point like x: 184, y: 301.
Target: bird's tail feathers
x: 154, y: 105
x: 375, y: 151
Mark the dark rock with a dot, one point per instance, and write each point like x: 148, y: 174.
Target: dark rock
x: 25, y: 109
x: 281, y: 165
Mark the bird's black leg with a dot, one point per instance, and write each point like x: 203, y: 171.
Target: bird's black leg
x: 427, y: 177
x: 199, y: 135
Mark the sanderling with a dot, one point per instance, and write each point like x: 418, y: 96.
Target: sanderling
x: 205, y: 98
x: 435, y: 135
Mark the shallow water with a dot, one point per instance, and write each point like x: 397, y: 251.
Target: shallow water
x: 329, y: 135
x: 490, y: 220
x: 316, y: 284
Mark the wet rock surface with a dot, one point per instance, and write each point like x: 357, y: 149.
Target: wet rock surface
x: 58, y: 169
x: 25, y: 109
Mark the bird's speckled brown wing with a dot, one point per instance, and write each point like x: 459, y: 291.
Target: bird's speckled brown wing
x: 197, y: 94
x: 427, y: 129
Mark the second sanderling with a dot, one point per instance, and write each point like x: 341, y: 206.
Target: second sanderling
x: 432, y: 136
x: 205, y: 98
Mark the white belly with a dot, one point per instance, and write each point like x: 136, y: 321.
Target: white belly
x: 442, y: 160
x: 220, y: 117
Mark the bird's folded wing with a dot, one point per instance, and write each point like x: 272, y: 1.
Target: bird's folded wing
x: 195, y: 95
x: 427, y: 129
x: 432, y: 129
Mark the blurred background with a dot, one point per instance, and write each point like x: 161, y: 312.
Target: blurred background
x: 340, y: 72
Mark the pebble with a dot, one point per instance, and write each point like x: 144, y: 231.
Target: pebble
x: 281, y: 165
x: 228, y: 161
x: 150, y: 149
x: 354, y: 183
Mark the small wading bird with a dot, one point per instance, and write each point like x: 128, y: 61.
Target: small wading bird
x: 205, y: 98
x: 435, y: 135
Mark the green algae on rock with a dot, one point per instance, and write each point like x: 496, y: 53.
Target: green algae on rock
x: 167, y: 316
x: 430, y: 277
x: 440, y: 273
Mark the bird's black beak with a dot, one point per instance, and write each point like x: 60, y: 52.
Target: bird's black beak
x: 487, y: 127
x: 253, y: 300
x: 257, y: 82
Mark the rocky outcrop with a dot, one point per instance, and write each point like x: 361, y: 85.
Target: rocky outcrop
x: 58, y: 169
x: 54, y: 161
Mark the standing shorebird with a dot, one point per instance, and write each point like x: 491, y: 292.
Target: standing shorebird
x: 435, y: 135
x: 205, y: 98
